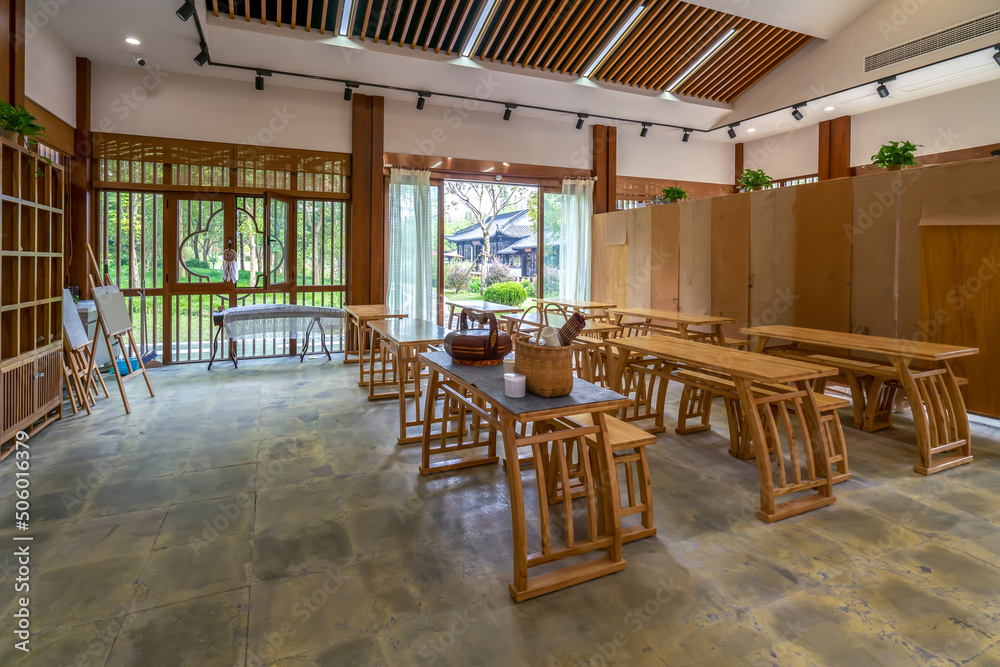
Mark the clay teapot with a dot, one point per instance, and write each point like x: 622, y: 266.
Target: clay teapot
x: 477, y: 347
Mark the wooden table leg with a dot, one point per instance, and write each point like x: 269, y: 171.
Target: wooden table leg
x: 353, y: 341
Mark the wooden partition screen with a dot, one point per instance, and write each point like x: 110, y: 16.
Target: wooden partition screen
x: 912, y: 254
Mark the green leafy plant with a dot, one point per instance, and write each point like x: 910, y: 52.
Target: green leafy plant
x: 896, y: 153
x: 674, y: 194
x: 456, y: 275
x: 496, y: 273
x: 20, y: 120
x: 475, y: 286
x: 529, y: 287
x: 509, y: 294
x: 755, y: 180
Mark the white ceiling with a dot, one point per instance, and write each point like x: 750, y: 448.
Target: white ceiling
x: 819, y: 18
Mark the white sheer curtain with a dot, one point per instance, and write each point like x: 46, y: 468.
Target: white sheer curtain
x: 411, y: 239
x: 574, y: 239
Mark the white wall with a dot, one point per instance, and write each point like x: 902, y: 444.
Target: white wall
x: 960, y: 119
x: 148, y: 101
x: 662, y: 154
x: 824, y: 67
x: 49, y: 68
x: 785, y: 155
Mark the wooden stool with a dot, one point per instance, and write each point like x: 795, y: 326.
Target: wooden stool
x: 628, y: 447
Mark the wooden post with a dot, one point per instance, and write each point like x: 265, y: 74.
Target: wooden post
x: 366, y: 241
x: 605, y: 151
x: 739, y: 166
x: 12, y: 40
x: 81, y: 228
x: 835, y: 148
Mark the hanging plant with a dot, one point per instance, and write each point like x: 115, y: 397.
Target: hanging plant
x: 674, y: 194
x: 18, y: 121
x: 755, y: 180
x: 895, y: 155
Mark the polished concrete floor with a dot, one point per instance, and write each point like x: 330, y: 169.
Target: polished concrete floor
x: 265, y: 516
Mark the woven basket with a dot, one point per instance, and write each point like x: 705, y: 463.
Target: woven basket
x: 548, y: 370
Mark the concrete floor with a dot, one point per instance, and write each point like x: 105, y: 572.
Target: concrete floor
x: 265, y: 516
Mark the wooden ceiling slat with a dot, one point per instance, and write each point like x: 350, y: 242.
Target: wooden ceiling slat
x: 295, y: 7
x: 458, y: 29
x: 351, y: 19
x: 661, y: 33
x: 381, y: 19
x: 447, y: 27
x: 534, y: 30
x: 309, y: 15
x: 514, y: 20
x: 368, y: 17
x: 215, y: 7
x: 488, y: 48
x: 392, y: 26
x: 406, y: 26
x: 232, y: 10
x: 535, y: 6
x: 546, y: 36
x: 279, y: 13
x: 732, y: 59
x: 567, y: 33
x: 246, y: 13
x: 420, y: 25
x: 726, y: 82
x: 434, y: 24
x: 605, y: 33
x: 574, y: 46
x: 693, y: 43
x: 323, y: 16
x: 636, y: 41
x: 763, y: 68
x: 263, y: 12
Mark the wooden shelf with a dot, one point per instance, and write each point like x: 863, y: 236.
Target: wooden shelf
x: 32, y: 229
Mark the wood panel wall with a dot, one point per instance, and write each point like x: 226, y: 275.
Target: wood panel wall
x: 730, y: 260
x: 823, y: 255
x: 605, y: 152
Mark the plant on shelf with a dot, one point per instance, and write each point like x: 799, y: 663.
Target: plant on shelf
x: 895, y: 155
x: 18, y: 121
x: 755, y: 180
x: 673, y: 194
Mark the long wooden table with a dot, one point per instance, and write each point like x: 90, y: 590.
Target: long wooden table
x: 402, y: 340
x: 651, y: 317
x: 479, y: 390
x: 456, y: 308
x: 531, y: 322
x: 781, y: 467
x: 566, y: 307
x: 939, y: 414
x: 358, y: 336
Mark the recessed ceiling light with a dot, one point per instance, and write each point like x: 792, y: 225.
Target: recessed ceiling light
x: 133, y: 41
x: 751, y: 129
x: 829, y: 108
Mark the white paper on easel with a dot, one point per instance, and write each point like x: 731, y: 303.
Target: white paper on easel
x: 112, y: 309
x: 76, y: 335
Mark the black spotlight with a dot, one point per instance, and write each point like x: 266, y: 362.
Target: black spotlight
x: 996, y: 56
x: 186, y: 10
x: 259, y: 82
x: 349, y: 91
x: 645, y: 130
x: 882, y: 91
x: 796, y: 114
x: 687, y: 135
x: 580, y: 117
x: 732, y: 132
x: 507, y: 109
x: 202, y: 56
x: 422, y: 100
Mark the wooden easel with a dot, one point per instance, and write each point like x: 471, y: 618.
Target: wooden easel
x: 80, y: 385
x: 119, y: 333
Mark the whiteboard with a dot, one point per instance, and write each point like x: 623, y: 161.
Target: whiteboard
x: 112, y: 309
x: 73, y: 329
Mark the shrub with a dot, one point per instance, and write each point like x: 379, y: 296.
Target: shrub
x: 496, y: 273
x: 551, y: 282
x: 197, y: 264
x: 529, y: 287
x: 475, y: 285
x: 456, y: 276
x: 509, y: 294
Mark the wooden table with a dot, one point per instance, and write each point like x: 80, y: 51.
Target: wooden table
x: 479, y: 389
x: 402, y: 340
x: 939, y: 414
x: 358, y: 336
x: 768, y: 414
x: 681, y: 321
x: 566, y: 307
x: 531, y: 322
x: 456, y: 308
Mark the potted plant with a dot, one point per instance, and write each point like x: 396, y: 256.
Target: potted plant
x: 17, y: 123
x: 895, y: 155
x: 673, y: 194
x: 755, y: 180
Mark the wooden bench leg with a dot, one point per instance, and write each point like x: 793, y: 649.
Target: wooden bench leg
x: 696, y: 403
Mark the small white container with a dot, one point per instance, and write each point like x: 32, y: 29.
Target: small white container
x: 514, y: 385
x: 508, y: 364
x: 551, y: 337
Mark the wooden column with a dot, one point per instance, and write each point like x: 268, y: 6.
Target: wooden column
x: 12, y: 51
x: 605, y: 150
x: 739, y: 166
x: 367, y: 239
x: 835, y: 148
x: 81, y: 227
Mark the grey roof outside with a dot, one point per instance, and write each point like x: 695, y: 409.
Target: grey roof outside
x: 513, y: 225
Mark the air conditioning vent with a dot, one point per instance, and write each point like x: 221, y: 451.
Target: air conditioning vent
x: 939, y: 40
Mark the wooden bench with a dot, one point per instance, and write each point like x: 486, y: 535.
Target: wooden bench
x: 628, y: 446
x: 698, y: 404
